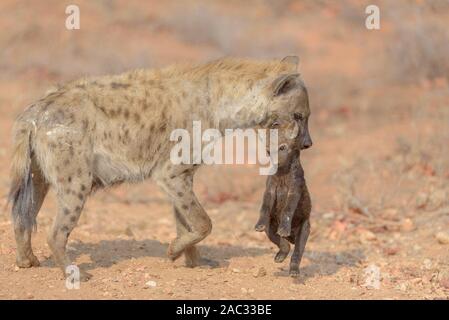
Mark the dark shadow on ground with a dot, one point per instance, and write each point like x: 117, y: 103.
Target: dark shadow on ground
x: 106, y: 253
x: 323, y: 263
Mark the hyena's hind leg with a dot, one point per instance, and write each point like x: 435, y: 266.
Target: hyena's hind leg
x: 25, y: 257
x: 72, y: 189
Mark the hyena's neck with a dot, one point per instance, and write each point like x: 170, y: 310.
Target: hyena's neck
x: 238, y: 106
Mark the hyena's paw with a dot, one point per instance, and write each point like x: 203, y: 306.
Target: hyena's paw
x: 173, y: 254
x: 85, y: 276
x: 27, y: 262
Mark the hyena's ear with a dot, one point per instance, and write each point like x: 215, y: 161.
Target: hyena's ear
x: 293, y: 60
x: 284, y: 83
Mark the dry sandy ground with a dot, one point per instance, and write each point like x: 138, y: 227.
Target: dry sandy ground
x: 378, y: 172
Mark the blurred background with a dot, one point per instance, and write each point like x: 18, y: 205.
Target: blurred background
x: 378, y: 172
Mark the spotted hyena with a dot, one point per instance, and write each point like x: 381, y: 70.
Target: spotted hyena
x: 98, y: 132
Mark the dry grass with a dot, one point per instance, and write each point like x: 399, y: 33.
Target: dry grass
x: 420, y: 45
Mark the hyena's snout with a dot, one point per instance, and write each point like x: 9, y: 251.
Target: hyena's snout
x: 306, y: 141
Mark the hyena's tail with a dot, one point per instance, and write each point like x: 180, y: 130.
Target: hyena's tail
x: 21, y: 192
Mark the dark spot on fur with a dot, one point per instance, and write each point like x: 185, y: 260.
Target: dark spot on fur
x: 137, y: 117
x: 80, y: 196
x: 185, y: 207
x: 78, y: 209
x: 73, y: 218
x: 83, y: 187
x: 180, y: 194
x: 69, y: 179
x: 66, y: 211
x: 126, y: 114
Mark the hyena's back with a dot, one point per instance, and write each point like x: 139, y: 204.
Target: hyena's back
x: 90, y: 134
x: 96, y: 128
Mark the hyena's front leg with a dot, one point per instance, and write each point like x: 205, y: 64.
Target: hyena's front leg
x: 193, y: 223
x: 191, y: 253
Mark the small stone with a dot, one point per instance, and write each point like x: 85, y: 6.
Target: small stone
x: 390, y: 213
x: 444, y: 283
x: 402, y: 287
x: 235, y: 270
x: 260, y: 272
x: 391, y: 251
x: 129, y: 232
x: 421, y: 200
x: 150, y: 284
x: 427, y: 264
x: 437, y: 198
x: 442, y: 237
x: 407, y: 225
x: 16, y: 268
x: 366, y: 235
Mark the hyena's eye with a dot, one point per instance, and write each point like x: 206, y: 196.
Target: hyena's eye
x: 298, y: 116
x: 275, y: 124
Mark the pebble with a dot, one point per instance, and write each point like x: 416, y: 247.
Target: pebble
x: 421, y: 200
x: 402, y: 287
x: 366, y: 235
x: 442, y: 237
x: 444, y: 283
x: 150, y: 284
x: 407, y: 225
x: 427, y: 263
x: 260, y: 272
x: 437, y: 198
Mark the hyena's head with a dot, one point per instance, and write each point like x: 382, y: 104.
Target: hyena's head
x: 288, y: 101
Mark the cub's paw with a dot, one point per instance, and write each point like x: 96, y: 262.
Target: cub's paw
x: 260, y: 227
x: 284, y: 231
x: 280, y: 256
x: 294, y: 271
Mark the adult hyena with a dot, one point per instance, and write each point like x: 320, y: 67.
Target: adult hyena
x: 98, y: 132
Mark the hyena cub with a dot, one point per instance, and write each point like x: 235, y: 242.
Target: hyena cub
x: 285, y: 211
